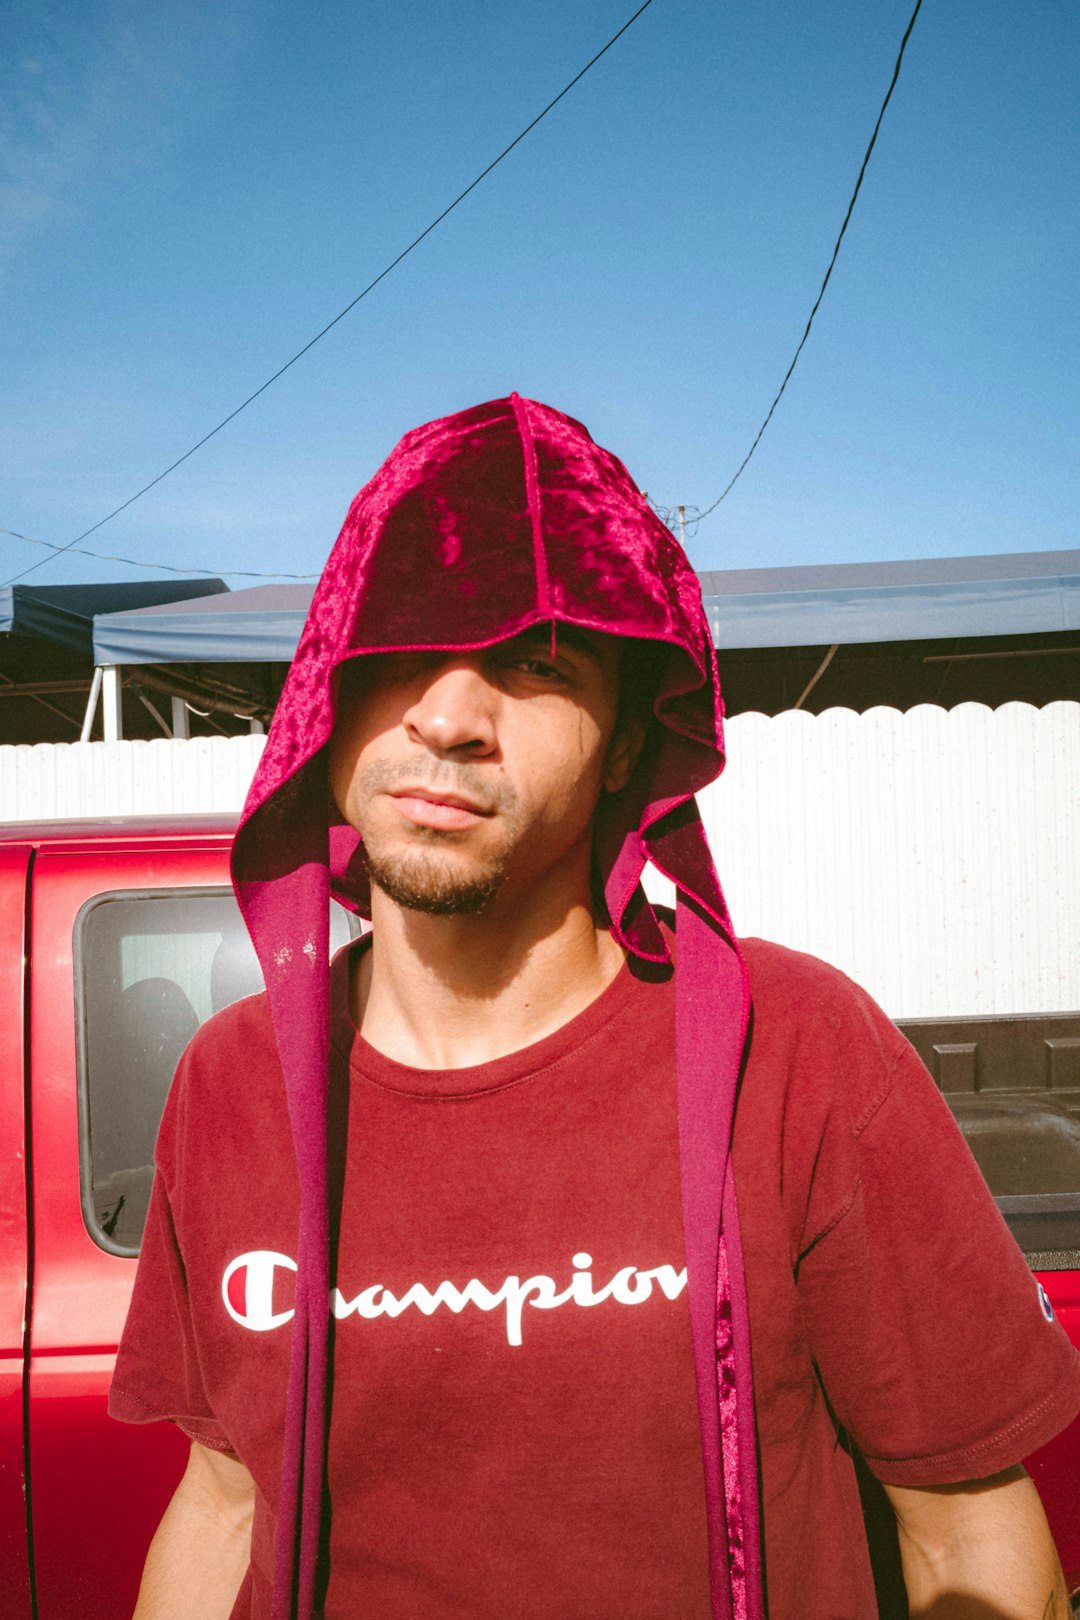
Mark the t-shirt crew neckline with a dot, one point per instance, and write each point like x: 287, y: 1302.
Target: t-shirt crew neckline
x: 373, y: 1066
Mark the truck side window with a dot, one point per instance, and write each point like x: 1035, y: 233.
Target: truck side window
x: 150, y: 967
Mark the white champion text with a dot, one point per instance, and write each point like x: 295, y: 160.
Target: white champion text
x: 247, y: 1289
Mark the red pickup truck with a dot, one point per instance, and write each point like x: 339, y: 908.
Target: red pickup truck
x: 117, y: 938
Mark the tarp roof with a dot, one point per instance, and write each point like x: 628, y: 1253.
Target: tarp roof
x: 260, y: 625
x: 1025, y: 593
x: 64, y: 614
x: 1022, y: 594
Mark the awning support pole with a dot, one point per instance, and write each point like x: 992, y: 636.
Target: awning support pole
x: 181, y: 725
x: 816, y: 676
x: 153, y: 709
x: 91, y: 705
x: 112, y: 713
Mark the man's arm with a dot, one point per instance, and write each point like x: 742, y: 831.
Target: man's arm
x: 979, y: 1551
x: 200, y: 1553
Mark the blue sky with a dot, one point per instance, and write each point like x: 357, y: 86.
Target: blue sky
x: 189, y: 191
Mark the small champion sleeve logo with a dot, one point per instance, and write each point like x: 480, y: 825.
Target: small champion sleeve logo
x: 1044, y: 1301
x: 248, y: 1288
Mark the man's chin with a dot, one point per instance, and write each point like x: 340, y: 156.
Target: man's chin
x: 432, y: 888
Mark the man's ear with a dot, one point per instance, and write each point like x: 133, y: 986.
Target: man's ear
x: 624, y: 751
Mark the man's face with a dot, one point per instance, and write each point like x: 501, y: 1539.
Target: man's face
x: 467, y: 771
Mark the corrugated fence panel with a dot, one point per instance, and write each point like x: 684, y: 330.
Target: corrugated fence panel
x: 51, y: 781
x: 933, y: 855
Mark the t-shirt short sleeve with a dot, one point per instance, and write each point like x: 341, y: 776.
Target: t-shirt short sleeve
x: 158, y: 1374
x: 936, y: 1349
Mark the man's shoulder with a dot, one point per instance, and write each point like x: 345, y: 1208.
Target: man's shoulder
x: 242, y: 1026
x: 230, y: 1058
x: 818, y: 1028
x: 805, y: 984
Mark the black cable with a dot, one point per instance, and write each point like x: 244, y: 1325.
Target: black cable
x: 460, y: 198
x: 817, y: 302
x: 133, y: 562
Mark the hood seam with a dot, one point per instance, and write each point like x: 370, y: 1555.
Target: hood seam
x: 532, y: 499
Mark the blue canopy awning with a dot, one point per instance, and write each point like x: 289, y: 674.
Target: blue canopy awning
x: 64, y: 614
x: 260, y: 625
x: 1027, y: 593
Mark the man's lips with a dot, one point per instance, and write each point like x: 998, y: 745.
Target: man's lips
x: 451, y: 811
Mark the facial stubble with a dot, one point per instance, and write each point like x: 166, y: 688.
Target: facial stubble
x: 430, y: 876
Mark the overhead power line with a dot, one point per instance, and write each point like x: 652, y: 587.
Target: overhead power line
x: 104, y: 556
x: 821, y: 293
x: 415, y: 243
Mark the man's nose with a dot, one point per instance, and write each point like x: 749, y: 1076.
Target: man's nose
x: 455, y: 711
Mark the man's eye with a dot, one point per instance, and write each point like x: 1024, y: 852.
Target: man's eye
x: 542, y: 669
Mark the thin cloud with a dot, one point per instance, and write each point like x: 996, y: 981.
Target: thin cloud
x: 91, y: 93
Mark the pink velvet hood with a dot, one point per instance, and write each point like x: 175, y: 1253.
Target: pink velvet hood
x: 475, y: 528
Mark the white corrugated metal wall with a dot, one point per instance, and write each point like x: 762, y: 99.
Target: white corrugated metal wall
x: 56, y: 781
x: 933, y: 855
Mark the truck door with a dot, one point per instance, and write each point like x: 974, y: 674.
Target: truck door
x: 14, y: 869
x: 133, y: 947
x: 114, y: 936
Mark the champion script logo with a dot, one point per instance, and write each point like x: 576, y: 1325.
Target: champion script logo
x: 248, y: 1286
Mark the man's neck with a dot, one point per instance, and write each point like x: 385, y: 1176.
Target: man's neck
x: 452, y: 992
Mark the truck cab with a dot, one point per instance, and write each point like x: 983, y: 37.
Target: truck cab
x: 117, y: 939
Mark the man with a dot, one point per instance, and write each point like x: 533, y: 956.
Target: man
x: 474, y: 1291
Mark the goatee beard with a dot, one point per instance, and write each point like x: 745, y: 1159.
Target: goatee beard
x: 424, y: 878
x: 416, y: 884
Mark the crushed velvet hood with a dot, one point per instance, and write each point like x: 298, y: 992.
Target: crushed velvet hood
x: 476, y: 527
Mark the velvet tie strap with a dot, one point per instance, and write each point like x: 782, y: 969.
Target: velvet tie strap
x: 711, y: 1010
x: 288, y: 917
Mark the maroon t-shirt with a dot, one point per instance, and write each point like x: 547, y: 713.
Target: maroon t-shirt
x: 514, y: 1426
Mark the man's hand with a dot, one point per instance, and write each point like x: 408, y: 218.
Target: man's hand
x: 200, y: 1553
x: 979, y: 1551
